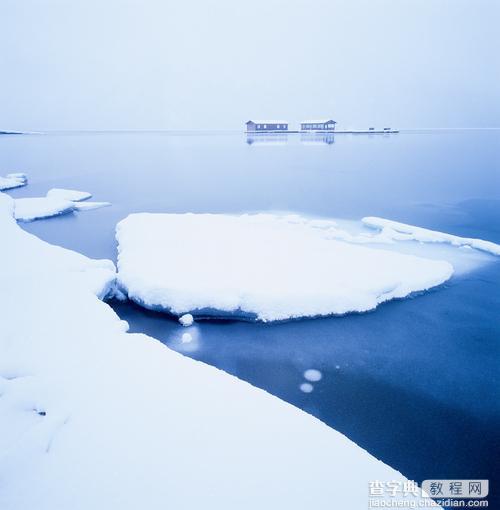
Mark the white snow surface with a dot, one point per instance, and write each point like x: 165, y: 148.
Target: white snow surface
x: 265, y: 266
x: 395, y: 231
x: 94, y: 417
x: 269, y: 121
x: 14, y: 180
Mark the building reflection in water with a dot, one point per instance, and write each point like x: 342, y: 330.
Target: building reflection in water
x: 282, y: 139
x: 317, y: 138
x: 267, y: 139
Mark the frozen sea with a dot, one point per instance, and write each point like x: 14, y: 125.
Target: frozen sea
x: 416, y: 382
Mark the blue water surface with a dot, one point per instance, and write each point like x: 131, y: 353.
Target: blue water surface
x: 416, y: 381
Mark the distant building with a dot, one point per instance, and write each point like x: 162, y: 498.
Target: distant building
x: 318, y: 125
x: 267, y: 125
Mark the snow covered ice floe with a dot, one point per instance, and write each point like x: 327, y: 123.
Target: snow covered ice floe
x: 69, y: 194
x: 29, y: 209
x: 395, y: 231
x: 94, y: 417
x: 14, y: 180
x: 56, y: 202
x: 87, y: 206
x: 262, y: 266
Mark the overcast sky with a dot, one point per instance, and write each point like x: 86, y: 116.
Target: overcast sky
x: 197, y: 64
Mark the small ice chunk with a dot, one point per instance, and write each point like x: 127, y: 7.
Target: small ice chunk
x: 11, y: 181
x: 58, y: 201
x: 19, y: 175
x: 186, y: 320
x: 186, y: 338
x: 68, y: 194
x: 313, y: 375
x: 306, y: 387
x: 403, y: 232
x: 87, y: 206
x: 29, y: 209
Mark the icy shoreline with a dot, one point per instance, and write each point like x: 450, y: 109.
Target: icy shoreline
x: 94, y: 417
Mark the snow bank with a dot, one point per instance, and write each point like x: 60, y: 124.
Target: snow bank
x: 394, y: 231
x: 264, y: 266
x: 11, y: 181
x: 93, y: 417
x: 28, y: 255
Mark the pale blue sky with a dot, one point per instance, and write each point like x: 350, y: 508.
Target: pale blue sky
x: 197, y: 64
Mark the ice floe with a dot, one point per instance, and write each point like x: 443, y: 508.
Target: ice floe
x: 94, y: 417
x: 56, y: 202
x: 87, y: 206
x: 186, y: 320
x: 395, y: 231
x: 11, y: 181
x: 29, y: 209
x: 69, y: 194
x: 262, y: 266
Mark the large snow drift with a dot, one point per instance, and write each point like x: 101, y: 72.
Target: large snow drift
x: 93, y: 417
x: 265, y: 266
